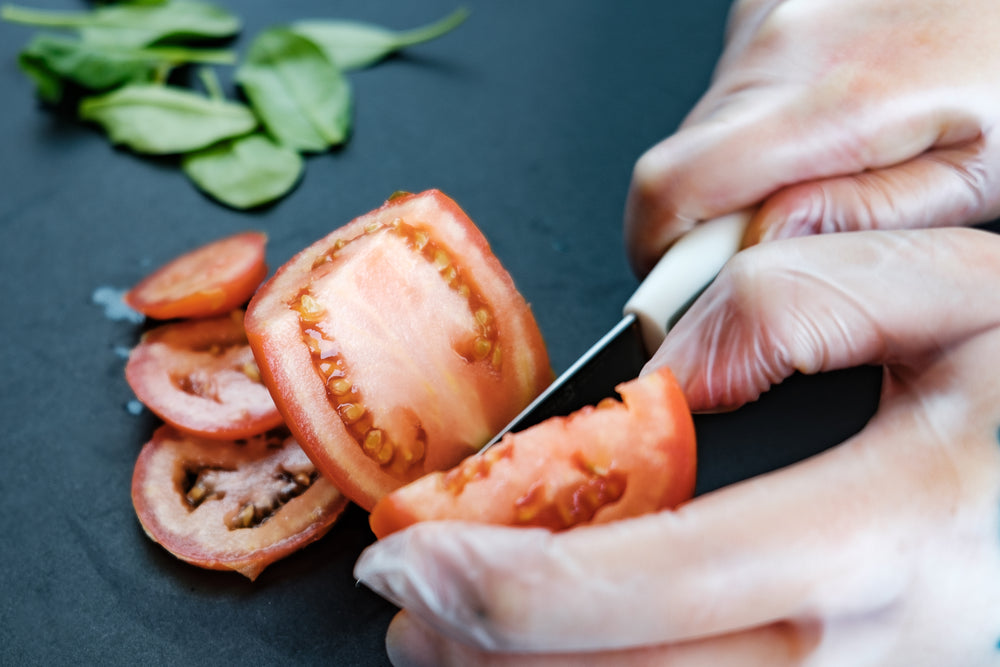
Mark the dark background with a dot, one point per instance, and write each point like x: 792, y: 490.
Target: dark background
x: 530, y: 116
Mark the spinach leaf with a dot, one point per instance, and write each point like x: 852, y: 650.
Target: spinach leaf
x: 211, y: 83
x: 54, y: 60
x: 48, y: 85
x: 163, y: 120
x: 135, y: 24
x: 293, y: 78
x: 354, y: 45
x: 245, y: 172
x: 301, y: 98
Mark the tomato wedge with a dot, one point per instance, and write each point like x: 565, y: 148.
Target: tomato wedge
x: 396, y: 345
x: 201, y: 376
x: 602, y: 463
x: 211, y: 280
x: 231, y: 505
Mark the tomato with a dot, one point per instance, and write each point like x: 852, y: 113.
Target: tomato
x: 602, y: 463
x: 211, y: 280
x: 231, y: 505
x: 396, y: 345
x: 200, y: 376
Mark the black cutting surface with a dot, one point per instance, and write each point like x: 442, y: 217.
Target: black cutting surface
x: 530, y: 116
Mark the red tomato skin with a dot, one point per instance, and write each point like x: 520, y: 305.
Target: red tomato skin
x: 208, y: 281
x: 455, y: 405
x: 600, y: 464
x: 158, y: 368
x: 200, y: 536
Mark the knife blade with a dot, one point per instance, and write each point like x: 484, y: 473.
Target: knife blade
x: 683, y: 272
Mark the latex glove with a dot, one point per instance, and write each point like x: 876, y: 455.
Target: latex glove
x: 884, y: 550
x: 833, y: 115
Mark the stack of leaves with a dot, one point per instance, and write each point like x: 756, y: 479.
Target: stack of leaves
x: 118, y: 59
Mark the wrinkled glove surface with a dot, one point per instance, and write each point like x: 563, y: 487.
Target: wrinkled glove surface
x: 884, y: 550
x: 833, y: 115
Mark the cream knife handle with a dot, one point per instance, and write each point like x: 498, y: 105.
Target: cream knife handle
x: 690, y: 264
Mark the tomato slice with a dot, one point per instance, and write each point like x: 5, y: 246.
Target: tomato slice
x: 211, y: 280
x: 396, y: 345
x: 201, y: 376
x: 231, y: 505
x: 602, y: 463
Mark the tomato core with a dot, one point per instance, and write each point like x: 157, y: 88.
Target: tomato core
x: 345, y: 397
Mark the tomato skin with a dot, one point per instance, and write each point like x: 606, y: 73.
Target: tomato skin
x: 201, y: 377
x: 395, y: 299
x: 208, y: 281
x: 190, y: 493
x: 602, y: 463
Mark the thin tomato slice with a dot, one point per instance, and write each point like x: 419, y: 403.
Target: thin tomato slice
x: 236, y: 505
x: 211, y: 280
x: 396, y: 345
x: 201, y: 377
x: 600, y: 464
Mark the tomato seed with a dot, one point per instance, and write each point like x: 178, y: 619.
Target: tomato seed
x: 251, y: 370
x: 529, y: 506
x: 340, y: 386
x: 245, y: 517
x: 450, y: 276
x: 481, y: 348
x: 441, y: 260
x: 351, y: 412
x: 196, y: 494
x: 310, y: 310
x: 373, y: 440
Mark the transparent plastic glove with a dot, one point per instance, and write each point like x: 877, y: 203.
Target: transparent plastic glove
x: 884, y: 550
x: 833, y: 115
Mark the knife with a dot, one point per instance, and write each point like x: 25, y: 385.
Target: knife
x: 683, y: 272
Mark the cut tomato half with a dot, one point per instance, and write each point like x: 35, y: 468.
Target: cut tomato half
x: 396, y: 345
x: 612, y: 461
x: 201, y: 376
x: 231, y: 505
x: 211, y: 280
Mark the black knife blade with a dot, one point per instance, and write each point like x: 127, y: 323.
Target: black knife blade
x: 670, y: 288
x: 617, y: 357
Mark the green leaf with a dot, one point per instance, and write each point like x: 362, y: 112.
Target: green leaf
x: 164, y: 120
x: 48, y: 85
x: 301, y: 98
x: 211, y: 83
x: 135, y: 24
x: 354, y: 45
x: 245, y: 172
x: 93, y: 67
x: 132, y: 2
x: 97, y: 67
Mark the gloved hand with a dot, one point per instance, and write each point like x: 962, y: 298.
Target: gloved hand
x: 833, y: 115
x: 884, y: 550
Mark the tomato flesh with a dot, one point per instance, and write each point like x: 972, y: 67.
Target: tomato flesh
x: 396, y: 345
x: 231, y: 505
x: 602, y: 463
x: 211, y: 280
x: 201, y: 377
